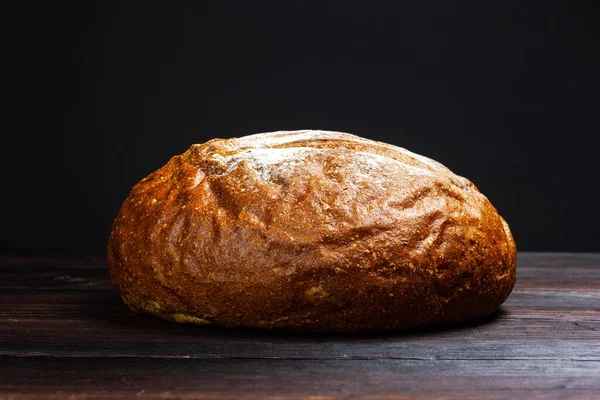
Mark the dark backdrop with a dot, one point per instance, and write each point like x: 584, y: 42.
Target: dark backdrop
x: 101, y: 94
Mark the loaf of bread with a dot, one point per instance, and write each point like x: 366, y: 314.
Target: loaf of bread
x: 309, y: 231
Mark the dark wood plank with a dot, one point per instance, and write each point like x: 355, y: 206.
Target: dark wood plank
x: 101, y: 325
x: 128, y: 377
x: 62, y: 323
x: 535, y: 270
x: 82, y: 316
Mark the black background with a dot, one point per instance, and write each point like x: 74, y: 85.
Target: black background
x: 101, y: 94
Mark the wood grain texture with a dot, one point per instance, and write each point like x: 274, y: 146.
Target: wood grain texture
x: 64, y: 331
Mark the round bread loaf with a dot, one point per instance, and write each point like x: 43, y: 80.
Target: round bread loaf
x: 309, y: 231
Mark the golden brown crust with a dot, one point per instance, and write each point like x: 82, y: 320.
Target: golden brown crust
x: 309, y: 230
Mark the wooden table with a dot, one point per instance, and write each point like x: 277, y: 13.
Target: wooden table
x: 65, y: 332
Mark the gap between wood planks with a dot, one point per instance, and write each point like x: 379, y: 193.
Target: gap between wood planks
x: 290, y: 358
